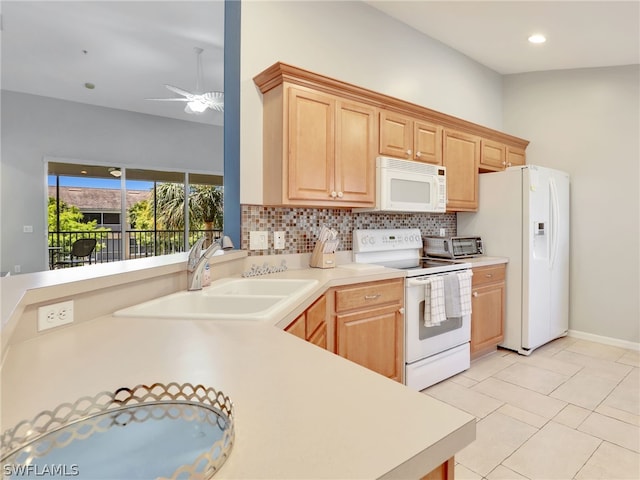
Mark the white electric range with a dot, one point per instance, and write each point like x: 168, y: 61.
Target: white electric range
x: 432, y: 353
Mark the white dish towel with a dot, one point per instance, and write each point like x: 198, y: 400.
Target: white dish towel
x: 434, y: 308
x: 457, y: 289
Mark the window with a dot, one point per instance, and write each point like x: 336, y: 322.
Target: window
x: 86, y: 201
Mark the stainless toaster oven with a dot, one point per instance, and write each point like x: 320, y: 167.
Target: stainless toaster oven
x: 452, y: 247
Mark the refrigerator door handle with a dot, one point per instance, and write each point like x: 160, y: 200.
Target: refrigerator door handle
x: 555, y: 214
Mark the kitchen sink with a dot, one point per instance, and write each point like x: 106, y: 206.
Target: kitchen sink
x: 258, y: 286
x: 225, y: 299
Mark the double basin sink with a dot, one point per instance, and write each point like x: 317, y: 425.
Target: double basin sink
x: 226, y: 299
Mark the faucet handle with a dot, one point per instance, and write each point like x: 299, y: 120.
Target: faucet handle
x: 195, y: 253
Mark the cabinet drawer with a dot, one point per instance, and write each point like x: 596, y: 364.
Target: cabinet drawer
x: 369, y: 295
x: 491, y: 274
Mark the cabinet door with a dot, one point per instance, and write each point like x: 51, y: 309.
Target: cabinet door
x: 427, y: 139
x: 461, y: 155
x: 372, y: 338
x: 297, y: 327
x: 311, y: 145
x: 493, y: 156
x: 355, y: 155
x: 316, y: 315
x: 319, y: 337
x: 396, y: 135
x: 515, y: 156
x: 487, y: 305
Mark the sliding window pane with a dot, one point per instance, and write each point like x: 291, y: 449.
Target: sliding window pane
x: 79, y: 198
x: 205, y: 207
x: 155, y: 212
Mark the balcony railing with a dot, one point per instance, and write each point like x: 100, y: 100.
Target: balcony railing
x: 141, y: 243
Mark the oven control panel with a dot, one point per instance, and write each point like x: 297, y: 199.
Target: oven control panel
x: 386, y: 240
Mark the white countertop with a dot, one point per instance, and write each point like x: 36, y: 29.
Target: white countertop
x: 300, y: 411
x: 484, y: 261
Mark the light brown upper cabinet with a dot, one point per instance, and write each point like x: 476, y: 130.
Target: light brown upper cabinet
x: 493, y: 155
x: 321, y: 137
x: 409, y: 138
x: 496, y: 156
x: 319, y: 149
x: 461, y: 156
x: 516, y: 156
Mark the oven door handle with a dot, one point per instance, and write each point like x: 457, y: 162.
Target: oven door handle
x: 421, y: 281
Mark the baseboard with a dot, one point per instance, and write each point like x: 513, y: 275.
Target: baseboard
x: 616, y: 342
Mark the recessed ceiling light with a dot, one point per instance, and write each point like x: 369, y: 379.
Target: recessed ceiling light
x: 537, y: 38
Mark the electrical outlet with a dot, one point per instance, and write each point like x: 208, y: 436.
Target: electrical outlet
x: 54, y: 315
x: 443, y: 232
x: 279, y: 241
x: 258, y: 240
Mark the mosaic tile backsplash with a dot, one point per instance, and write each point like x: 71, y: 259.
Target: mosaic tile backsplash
x: 302, y: 225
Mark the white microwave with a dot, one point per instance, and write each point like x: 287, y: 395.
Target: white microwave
x: 408, y: 186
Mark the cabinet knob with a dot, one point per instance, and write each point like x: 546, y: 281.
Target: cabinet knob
x: 418, y: 154
x: 475, y: 294
x: 508, y: 164
x: 504, y: 163
x: 401, y: 311
x: 334, y: 194
x: 409, y: 152
x: 372, y: 297
x: 340, y: 194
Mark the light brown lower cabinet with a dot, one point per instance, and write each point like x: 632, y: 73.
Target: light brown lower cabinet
x: 369, y: 325
x: 487, y: 305
x: 368, y: 322
x: 442, y: 472
x: 363, y: 322
x: 311, y: 325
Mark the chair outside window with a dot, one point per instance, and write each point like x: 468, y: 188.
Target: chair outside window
x: 81, y: 251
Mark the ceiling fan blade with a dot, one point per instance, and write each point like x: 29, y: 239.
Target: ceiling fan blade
x: 196, y: 102
x: 179, y: 91
x: 169, y: 99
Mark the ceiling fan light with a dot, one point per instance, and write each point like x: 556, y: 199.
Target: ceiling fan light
x: 195, y: 107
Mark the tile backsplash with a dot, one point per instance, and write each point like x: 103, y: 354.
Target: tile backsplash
x: 302, y: 225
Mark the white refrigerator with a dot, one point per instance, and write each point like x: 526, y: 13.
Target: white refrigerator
x: 523, y: 214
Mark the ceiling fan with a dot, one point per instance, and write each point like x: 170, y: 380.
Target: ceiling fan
x: 196, y: 102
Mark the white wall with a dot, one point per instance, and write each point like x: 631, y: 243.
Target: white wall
x: 355, y: 43
x: 34, y: 127
x: 587, y: 122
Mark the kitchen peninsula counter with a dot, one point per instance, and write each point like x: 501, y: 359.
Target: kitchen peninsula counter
x: 300, y: 411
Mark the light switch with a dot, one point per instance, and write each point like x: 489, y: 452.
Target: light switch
x: 258, y: 240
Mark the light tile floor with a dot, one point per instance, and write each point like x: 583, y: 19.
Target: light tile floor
x: 570, y: 410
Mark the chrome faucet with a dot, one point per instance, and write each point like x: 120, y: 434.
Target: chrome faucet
x: 197, y: 262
